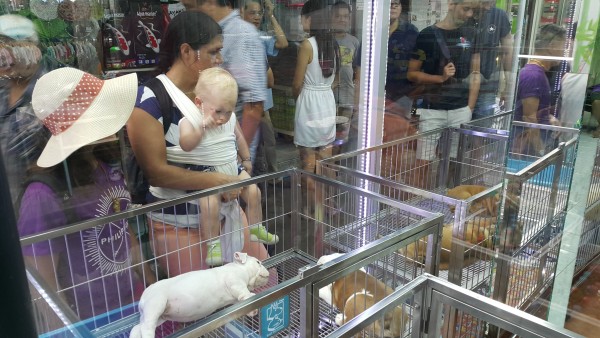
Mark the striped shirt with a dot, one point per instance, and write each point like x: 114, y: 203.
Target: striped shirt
x: 244, y: 57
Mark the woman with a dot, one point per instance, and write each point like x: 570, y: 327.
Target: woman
x: 18, y: 75
x: 78, y: 178
x: 533, y: 100
x: 191, y: 44
x: 314, y: 126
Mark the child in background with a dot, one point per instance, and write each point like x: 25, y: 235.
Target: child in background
x: 215, y: 146
x: 91, y: 269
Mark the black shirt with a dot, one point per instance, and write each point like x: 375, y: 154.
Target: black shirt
x: 462, y: 44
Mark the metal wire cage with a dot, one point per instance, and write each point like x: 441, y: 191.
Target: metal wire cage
x: 428, y: 170
x: 540, y: 169
x: 431, y: 299
x: 332, y: 217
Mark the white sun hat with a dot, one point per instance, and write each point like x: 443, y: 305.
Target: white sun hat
x: 79, y: 108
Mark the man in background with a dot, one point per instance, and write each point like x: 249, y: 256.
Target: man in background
x: 348, y: 45
x: 495, y: 42
x: 446, y: 63
x: 399, y: 92
x: 344, y: 84
x: 253, y: 12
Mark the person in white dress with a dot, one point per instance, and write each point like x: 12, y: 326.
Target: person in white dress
x: 314, y: 124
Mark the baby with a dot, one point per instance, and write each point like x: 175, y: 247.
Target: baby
x: 218, y: 142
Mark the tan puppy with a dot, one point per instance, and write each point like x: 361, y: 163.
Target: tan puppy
x: 477, y: 233
x: 357, y: 292
x: 463, y: 192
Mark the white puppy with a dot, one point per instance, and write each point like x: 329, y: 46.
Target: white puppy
x: 195, y: 295
x: 325, y: 293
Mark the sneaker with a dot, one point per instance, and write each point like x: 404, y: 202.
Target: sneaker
x: 260, y: 234
x: 213, y: 256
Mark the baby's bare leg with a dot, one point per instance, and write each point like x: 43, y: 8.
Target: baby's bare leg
x: 209, y: 211
x: 210, y: 228
x: 251, y: 195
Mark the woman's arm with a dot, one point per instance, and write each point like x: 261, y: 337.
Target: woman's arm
x: 148, y: 143
x: 46, y: 266
x: 41, y: 209
x: 243, y: 149
x: 304, y: 58
x: 281, y: 41
x: 141, y: 267
x: 270, y: 78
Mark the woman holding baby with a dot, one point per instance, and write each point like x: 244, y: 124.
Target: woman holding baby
x: 192, y: 43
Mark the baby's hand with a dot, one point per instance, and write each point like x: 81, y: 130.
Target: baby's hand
x: 209, y: 122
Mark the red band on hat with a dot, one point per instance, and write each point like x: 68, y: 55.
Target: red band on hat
x: 75, y: 105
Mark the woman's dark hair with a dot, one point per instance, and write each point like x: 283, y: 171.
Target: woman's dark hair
x: 80, y: 168
x: 194, y: 28
x: 320, y: 28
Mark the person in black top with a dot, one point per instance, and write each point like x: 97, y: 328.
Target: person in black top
x: 446, y: 63
x: 495, y: 42
x: 401, y: 42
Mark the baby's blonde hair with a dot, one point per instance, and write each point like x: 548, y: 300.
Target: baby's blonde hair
x: 217, y: 81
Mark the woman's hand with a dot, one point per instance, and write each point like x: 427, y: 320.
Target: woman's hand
x: 268, y: 8
x: 233, y: 193
x: 449, y: 71
x: 247, y: 166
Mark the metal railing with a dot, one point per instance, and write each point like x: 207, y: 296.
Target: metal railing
x: 431, y: 298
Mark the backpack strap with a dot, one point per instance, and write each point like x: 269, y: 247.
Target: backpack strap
x: 164, y: 99
x: 442, y: 43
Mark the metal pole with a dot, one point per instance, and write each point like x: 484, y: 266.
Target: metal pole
x: 578, y: 195
x: 16, y: 312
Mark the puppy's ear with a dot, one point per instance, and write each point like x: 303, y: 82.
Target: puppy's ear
x: 240, y: 257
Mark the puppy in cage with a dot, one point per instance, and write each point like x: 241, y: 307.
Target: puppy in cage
x: 215, y: 142
x: 477, y: 232
x: 488, y: 204
x: 196, y: 294
x: 358, y: 291
x: 78, y: 177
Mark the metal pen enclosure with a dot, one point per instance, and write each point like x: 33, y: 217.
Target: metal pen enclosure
x: 432, y: 298
x: 533, y: 212
x: 422, y: 169
x: 530, y: 193
x: 340, y: 223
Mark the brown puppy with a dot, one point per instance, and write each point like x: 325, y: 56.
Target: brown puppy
x: 463, y: 192
x: 357, y: 292
x: 477, y: 233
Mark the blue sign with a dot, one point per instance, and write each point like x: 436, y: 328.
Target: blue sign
x: 274, y: 317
